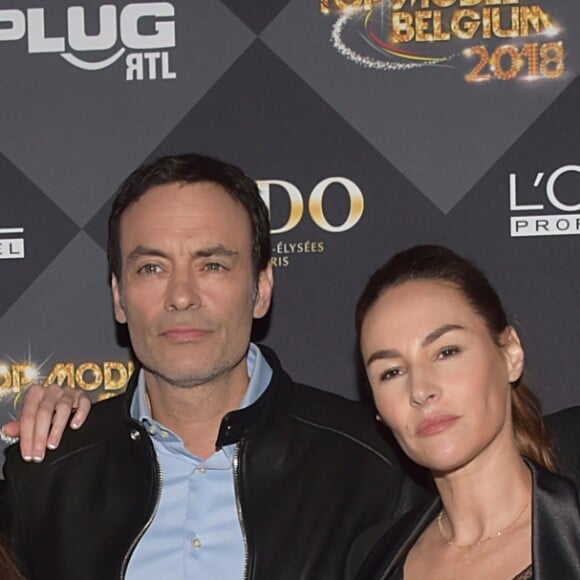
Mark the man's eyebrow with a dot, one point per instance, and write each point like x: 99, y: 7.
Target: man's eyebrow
x: 429, y: 339
x: 216, y: 250
x: 141, y: 251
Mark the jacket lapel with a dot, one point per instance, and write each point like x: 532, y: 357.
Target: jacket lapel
x: 396, y: 542
x: 555, y: 532
x: 555, y: 526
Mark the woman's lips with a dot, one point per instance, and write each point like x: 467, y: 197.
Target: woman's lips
x: 436, y: 424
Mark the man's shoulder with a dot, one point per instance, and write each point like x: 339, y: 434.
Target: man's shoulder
x: 341, y: 417
x: 329, y: 417
x: 104, y: 420
x: 318, y: 404
x: 103, y: 424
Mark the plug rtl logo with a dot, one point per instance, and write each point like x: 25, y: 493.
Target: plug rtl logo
x: 145, y: 27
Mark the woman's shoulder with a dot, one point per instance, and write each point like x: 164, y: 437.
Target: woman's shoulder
x: 565, y: 428
x: 556, y: 525
x: 378, y: 551
x: 554, y: 493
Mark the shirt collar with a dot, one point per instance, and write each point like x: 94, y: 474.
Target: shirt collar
x: 259, y: 373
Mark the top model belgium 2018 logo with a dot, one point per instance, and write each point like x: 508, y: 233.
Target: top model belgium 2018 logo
x: 485, y: 40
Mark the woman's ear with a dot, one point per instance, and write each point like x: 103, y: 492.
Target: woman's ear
x: 513, y: 353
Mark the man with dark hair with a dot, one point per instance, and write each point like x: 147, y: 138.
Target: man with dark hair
x: 214, y: 464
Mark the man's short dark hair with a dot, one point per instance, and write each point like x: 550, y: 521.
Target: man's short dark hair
x: 192, y: 168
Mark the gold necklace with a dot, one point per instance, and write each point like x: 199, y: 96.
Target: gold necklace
x: 445, y: 536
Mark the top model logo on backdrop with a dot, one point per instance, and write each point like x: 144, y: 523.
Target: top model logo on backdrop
x: 485, y: 39
x: 102, y: 380
x: 126, y: 27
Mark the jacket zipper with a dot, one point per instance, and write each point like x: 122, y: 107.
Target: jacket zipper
x: 159, y: 482
x: 236, y: 465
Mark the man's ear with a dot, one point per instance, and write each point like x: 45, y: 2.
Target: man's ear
x: 264, y: 287
x: 119, y: 306
x: 513, y: 353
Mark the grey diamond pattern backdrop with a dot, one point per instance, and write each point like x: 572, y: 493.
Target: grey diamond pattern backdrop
x: 89, y: 93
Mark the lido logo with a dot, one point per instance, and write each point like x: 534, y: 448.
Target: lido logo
x: 145, y: 31
x: 292, y: 198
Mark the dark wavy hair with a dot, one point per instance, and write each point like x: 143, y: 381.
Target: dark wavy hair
x: 440, y: 264
x: 192, y: 168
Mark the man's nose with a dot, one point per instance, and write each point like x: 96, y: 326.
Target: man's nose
x: 182, y: 292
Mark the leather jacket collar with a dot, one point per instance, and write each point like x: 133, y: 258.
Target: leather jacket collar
x: 235, y: 425
x: 555, y: 532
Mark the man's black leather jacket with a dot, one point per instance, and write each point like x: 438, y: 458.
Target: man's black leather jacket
x: 311, y: 472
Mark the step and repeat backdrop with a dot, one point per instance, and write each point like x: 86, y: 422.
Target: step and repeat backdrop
x: 369, y: 125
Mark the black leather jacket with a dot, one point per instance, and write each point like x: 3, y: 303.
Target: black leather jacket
x: 311, y: 472
x: 555, y: 534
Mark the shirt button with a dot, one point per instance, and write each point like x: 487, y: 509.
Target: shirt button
x: 196, y: 543
x: 152, y: 430
x: 202, y: 470
x: 164, y: 434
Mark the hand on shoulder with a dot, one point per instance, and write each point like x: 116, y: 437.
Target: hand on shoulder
x: 45, y: 413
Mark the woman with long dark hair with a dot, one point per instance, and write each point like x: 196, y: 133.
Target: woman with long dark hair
x: 445, y: 368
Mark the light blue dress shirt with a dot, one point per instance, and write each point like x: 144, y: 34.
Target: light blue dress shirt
x: 195, y: 533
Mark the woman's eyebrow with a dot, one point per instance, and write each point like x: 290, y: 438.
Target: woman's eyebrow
x: 438, y: 332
